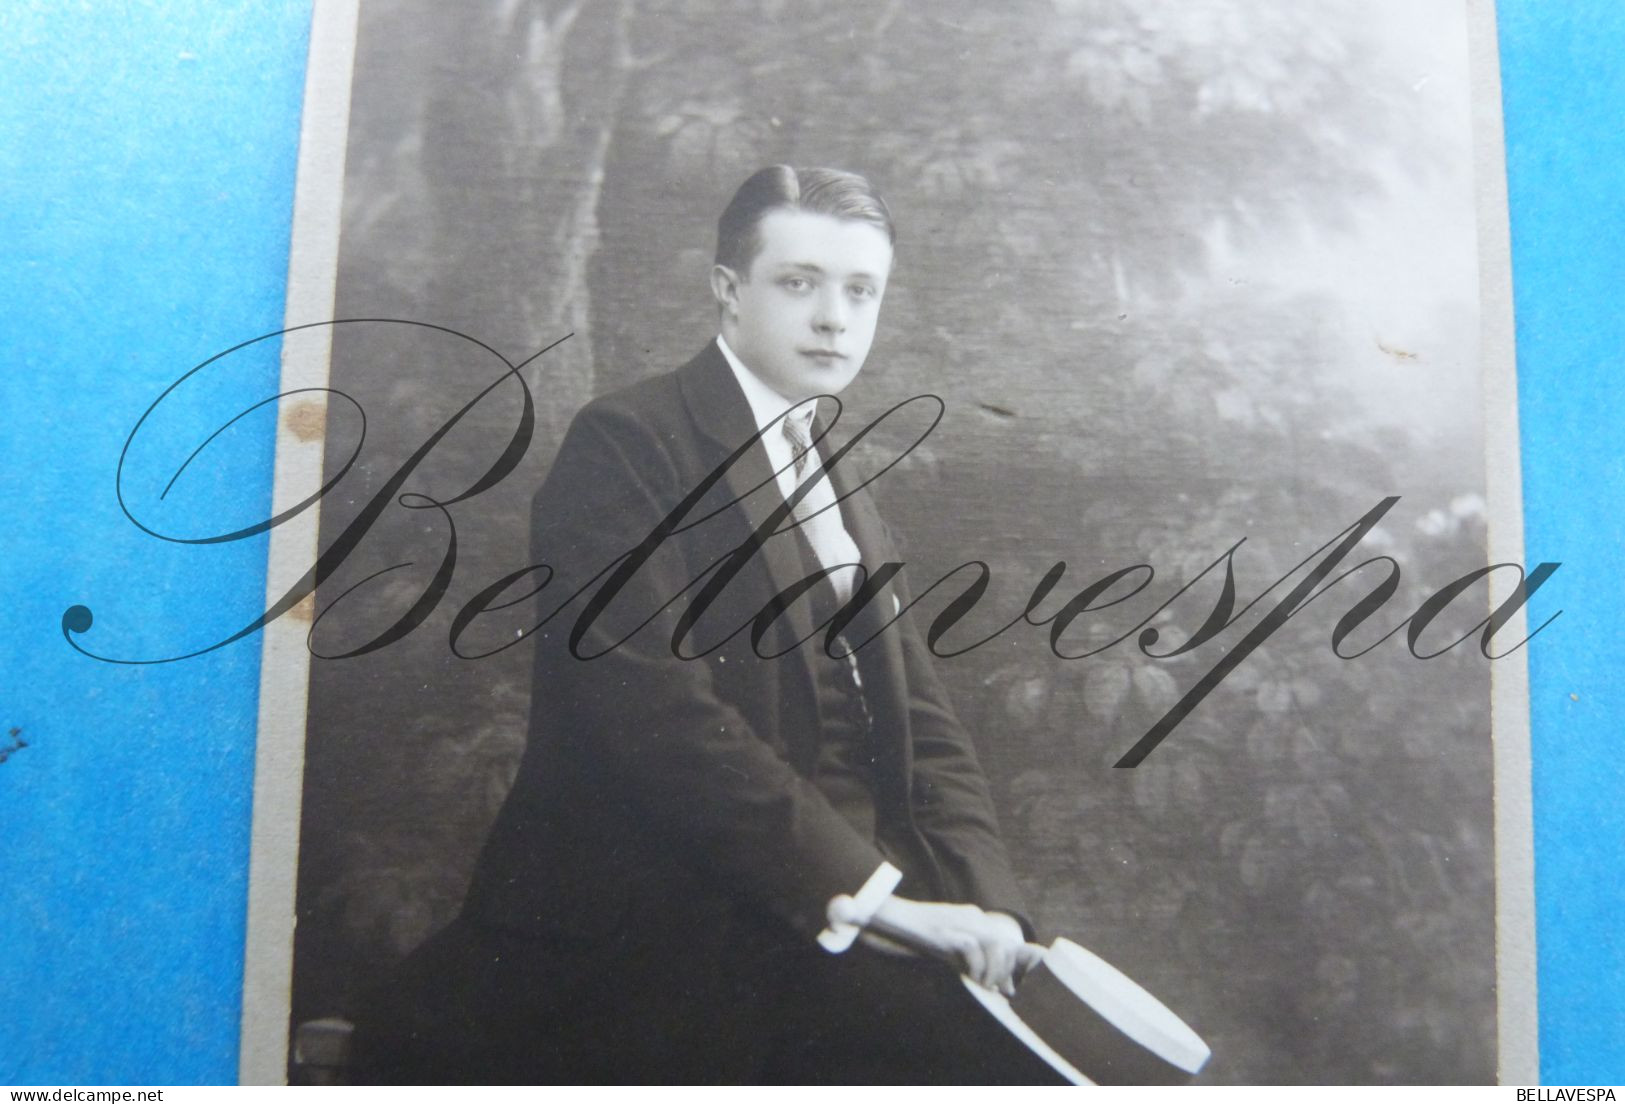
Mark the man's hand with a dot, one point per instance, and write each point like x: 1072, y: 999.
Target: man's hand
x: 989, y: 945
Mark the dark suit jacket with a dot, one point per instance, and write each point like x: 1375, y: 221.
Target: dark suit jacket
x: 663, y: 841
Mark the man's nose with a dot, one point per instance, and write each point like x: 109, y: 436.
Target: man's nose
x: 830, y: 317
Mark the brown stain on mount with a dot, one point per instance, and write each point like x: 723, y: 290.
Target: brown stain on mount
x: 306, y: 420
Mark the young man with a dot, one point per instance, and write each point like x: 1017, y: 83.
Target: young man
x: 713, y: 802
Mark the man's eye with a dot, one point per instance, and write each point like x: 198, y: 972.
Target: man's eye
x: 797, y: 283
x: 861, y: 291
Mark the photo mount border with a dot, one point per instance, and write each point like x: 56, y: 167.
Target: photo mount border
x: 285, y: 659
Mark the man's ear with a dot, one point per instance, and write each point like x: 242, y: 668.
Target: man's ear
x: 725, y: 287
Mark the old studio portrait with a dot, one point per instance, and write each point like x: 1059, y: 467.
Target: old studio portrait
x: 835, y: 497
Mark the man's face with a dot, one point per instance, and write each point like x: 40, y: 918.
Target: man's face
x: 804, y: 316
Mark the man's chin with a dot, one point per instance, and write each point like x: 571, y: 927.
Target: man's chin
x: 829, y: 381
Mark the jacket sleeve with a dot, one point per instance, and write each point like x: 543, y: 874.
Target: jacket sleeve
x: 952, y: 804
x: 657, y: 730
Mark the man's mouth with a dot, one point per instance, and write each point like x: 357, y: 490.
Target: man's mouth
x: 823, y: 356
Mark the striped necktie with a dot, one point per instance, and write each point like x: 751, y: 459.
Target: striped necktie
x: 818, y: 515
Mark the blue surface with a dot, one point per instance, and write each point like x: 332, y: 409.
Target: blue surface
x: 1563, y: 87
x: 147, y: 165
x: 147, y: 157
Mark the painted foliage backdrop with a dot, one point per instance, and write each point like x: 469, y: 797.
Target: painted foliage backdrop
x: 1182, y: 273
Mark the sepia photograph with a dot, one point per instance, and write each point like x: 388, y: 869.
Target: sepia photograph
x: 839, y: 521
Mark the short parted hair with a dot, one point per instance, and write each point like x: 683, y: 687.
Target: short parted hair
x: 844, y: 195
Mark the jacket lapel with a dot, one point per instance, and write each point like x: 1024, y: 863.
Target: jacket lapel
x: 885, y: 676
x: 718, y: 407
x: 720, y: 410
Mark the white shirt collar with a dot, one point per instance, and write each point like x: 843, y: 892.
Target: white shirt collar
x: 831, y: 542
x: 766, y: 404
